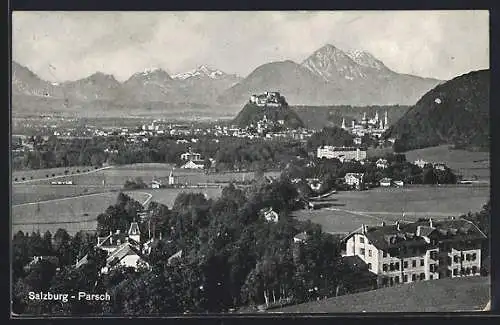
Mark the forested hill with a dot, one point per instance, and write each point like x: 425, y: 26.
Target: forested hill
x: 252, y: 113
x: 455, y: 112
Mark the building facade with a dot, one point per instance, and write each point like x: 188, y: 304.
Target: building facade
x: 341, y: 153
x: 427, y: 250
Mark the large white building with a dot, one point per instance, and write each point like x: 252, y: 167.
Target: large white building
x: 341, y: 153
x: 426, y: 250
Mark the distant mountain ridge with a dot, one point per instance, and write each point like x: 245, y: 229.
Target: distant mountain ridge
x: 335, y: 78
x: 455, y: 112
x: 329, y: 76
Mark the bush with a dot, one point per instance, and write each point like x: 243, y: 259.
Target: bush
x: 53, y: 175
x: 66, y: 172
x: 77, y: 170
x: 15, y: 179
x: 23, y: 178
x: 46, y: 175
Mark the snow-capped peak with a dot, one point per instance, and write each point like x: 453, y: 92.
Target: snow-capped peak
x: 365, y: 59
x: 201, y: 71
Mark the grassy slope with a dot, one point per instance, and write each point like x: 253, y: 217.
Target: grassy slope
x: 467, y: 163
x: 444, y: 295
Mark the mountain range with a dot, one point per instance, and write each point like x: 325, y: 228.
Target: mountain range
x: 329, y: 76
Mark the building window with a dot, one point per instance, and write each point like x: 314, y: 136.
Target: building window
x: 384, y: 254
x: 467, y: 257
x: 467, y: 271
x: 462, y: 271
x: 422, y: 263
x: 391, y: 281
x: 455, y: 271
x: 422, y: 276
x: 396, y: 279
x: 396, y: 266
x: 362, y: 240
x: 405, y: 278
x: 414, y: 263
x: 474, y: 269
x: 362, y: 251
x: 405, y: 264
x: 431, y: 277
x: 413, y: 277
x: 449, y: 260
x: 455, y: 258
x: 474, y: 256
x: 370, y: 253
x: 448, y: 273
x: 391, y: 267
x: 369, y: 266
x: 384, y: 281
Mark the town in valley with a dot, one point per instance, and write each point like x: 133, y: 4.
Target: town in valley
x: 342, y: 183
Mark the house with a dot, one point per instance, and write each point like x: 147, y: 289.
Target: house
x: 191, y: 156
x: 357, y: 141
x: 420, y: 163
x: 439, y: 166
x: 300, y: 238
x: 127, y: 255
x: 354, y: 179
x: 341, y: 153
x: 123, y: 249
x: 399, y: 183
x: 192, y: 165
x: 37, y: 259
x: 177, y: 255
x: 382, y: 163
x: 156, y: 184
x: 269, y: 214
x: 385, y: 182
x: 423, y: 250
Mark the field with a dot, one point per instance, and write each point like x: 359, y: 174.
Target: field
x: 71, y: 213
x: 113, y: 178
x: 346, y: 211
x: 167, y: 196
x: 468, y: 163
x: 42, y: 173
x: 444, y: 295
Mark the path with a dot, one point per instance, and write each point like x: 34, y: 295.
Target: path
x: 61, y: 176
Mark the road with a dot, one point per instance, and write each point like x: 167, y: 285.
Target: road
x: 62, y: 176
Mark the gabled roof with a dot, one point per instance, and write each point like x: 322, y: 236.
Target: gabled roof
x: 111, y: 240
x: 134, y: 229
x: 176, y: 255
x: 122, y: 251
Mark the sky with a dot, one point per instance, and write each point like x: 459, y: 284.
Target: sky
x: 60, y: 46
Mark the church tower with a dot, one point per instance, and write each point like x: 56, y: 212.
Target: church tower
x: 381, y: 127
x: 134, y: 233
x: 343, y: 123
x: 376, y: 116
x: 386, y: 123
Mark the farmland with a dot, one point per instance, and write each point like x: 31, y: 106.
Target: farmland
x: 167, y: 196
x: 444, y: 295
x: 346, y: 211
x: 470, y: 164
x: 71, y: 213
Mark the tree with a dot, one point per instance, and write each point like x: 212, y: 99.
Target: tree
x: 62, y: 246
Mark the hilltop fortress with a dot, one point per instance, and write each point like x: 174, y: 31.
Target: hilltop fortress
x: 271, y: 99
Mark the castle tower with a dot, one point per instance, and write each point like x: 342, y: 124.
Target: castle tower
x: 343, y: 123
x: 134, y: 233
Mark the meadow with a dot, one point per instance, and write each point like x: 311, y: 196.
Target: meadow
x: 346, y: 211
x: 443, y: 295
x: 470, y: 164
x: 70, y: 213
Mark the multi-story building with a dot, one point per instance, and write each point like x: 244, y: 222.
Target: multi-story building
x: 426, y: 250
x: 354, y: 179
x: 341, y: 153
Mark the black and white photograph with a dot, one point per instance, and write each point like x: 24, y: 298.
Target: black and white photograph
x: 249, y: 162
